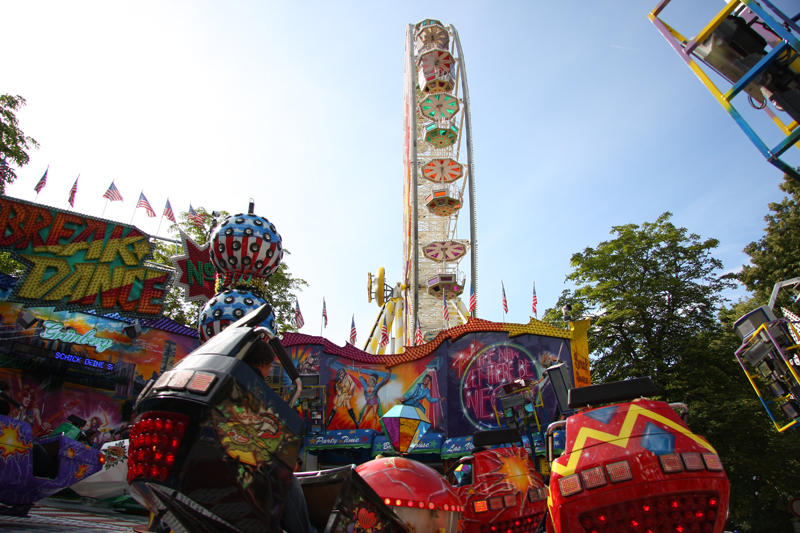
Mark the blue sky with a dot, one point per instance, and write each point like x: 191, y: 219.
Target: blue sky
x: 583, y: 118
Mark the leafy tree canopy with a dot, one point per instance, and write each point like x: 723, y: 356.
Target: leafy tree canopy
x: 774, y: 257
x: 14, y: 144
x: 279, y: 290
x: 653, y: 288
x: 655, y: 293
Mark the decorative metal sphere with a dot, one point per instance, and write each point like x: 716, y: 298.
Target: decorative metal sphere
x: 229, y: 306
x: 246, y: 245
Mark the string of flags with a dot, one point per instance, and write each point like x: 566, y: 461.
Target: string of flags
x: 113, y: 194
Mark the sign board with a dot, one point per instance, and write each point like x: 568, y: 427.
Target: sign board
x: 75, y: 262
x: 795, y: 508
x: 195, y: 273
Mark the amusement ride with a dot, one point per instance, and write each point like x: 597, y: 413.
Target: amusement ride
x: 214, y: 447
x: 438, y: 178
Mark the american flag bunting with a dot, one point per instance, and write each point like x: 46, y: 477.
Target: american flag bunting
x: 73, y: 191
x: 418, y: 335
x: 169, y: 213
x: 445, y: 310
x: 535, y: 301
x: 473, y: 301
x: 42, y: 181
x: 113, y: 193
x: 146, y: 205
x: 298, y: 316
x: 505, y: 302
x: 324, y: 313
x: 384, y: 333
x: 197, y: 218
x: 353, y: 330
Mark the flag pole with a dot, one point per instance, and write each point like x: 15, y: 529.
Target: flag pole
x: 104, y: 208
x: 137, y: 205
x: 159, y: 222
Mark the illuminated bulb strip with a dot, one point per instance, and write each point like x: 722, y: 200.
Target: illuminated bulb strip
x: 594, y: 477
x: 570, y: 485
x: 620, y: 471
x: 693, y: 461
x: 712, y: 462
x: 422, y: 505
x: 671, y: 463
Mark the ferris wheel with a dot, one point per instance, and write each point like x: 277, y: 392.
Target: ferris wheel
x: 438, y: 176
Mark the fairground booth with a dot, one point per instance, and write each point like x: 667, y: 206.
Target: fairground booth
x: 479, y: 375
x: 81, y: 329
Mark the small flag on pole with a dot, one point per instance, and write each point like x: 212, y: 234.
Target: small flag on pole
x: 298, y: 316
x: 113, y: 193
x: 168, y: 213
x: 197, y: 219
x: 324, y: 313
x: 505, y: 302
x: 445, y: 310
x: 535, y: 301
x: 473, y: 302
x: 384, y: 333
x: 353, y: 330
x: 42, y: 181
x: 146, y: 205
x: 73, y: 191
x: 418, y: 335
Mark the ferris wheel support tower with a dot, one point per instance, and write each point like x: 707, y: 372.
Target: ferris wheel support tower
x: 434, y: 132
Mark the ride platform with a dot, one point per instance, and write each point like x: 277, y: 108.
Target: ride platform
x: 71, y: 517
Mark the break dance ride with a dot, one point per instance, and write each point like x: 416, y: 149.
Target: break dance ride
x: 33, y: 468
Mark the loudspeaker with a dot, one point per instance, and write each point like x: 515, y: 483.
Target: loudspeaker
x: 133, y: 331
x: 26, y: 319
x: 560, y: 378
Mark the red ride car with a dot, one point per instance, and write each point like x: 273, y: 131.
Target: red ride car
x: 500, y: 489
x: 634, y: 467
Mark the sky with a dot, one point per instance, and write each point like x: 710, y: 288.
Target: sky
x: 584, y: 118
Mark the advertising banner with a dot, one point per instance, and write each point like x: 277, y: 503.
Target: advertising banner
x: 64, y: 363
x: 77, y: 262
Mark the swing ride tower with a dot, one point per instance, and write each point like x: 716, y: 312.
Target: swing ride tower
x: 438, y: 176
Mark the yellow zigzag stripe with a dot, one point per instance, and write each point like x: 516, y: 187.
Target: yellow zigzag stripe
x: 621, y: 440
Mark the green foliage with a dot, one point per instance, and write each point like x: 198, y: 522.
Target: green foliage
x: 9, y: 266
x: 13, y: 142
x: 774, y: 257
x: 761, y: 463
x: 656, y: 295
x: 278, y: 289
x: 653, y: 289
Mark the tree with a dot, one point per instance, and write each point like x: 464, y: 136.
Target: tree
x: 653, y: 289
x: 278, y: 290
x: 13, y: 142
x: 762, y: 465
x: 775, y: 256
x: 656, y: 295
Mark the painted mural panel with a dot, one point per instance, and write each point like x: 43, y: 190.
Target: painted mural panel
x: 456, y: 386
x: 71, y: 363
x: 358, y: 394
x: 479, y: 364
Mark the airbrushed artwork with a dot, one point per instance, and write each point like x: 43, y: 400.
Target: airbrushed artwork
x: 66, y: 363
x: 455, y: 384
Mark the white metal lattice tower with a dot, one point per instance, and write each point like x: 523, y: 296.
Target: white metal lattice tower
x: 438, y: 176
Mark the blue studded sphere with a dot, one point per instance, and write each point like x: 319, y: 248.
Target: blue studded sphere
x: 246, y: 245
x: 227, y: 307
